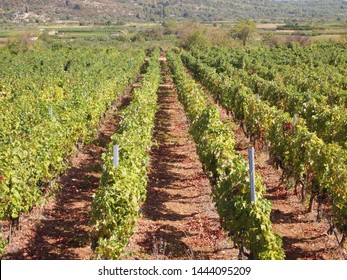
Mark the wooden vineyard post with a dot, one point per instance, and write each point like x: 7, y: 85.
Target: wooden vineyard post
x: 252, y: 172
x: 115, y: 155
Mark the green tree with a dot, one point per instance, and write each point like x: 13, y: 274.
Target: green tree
x: 77, y: 7
x: 192, y: 36
x: 244, y: 30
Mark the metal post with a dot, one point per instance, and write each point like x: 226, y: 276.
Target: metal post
x: 115, y: 155
x: 252, y: 172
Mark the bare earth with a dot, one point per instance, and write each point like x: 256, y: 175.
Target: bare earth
x: 60, y: 229
x: 303, y: 237
x: 179, y: 220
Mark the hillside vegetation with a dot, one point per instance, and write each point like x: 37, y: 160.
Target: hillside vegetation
x: 41, y: 11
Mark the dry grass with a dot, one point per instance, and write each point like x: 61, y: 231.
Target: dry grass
x: 269, y: 25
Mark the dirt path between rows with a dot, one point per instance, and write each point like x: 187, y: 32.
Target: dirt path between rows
x: 60, y: 229
x: 179, y: 220
x: 303, y: 237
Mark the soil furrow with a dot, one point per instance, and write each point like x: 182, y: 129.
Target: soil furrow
x: 179, y: 220
x: 60, y: 229
x: 303, y: 237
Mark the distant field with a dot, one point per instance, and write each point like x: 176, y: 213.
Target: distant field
x: 328, y: 37
x: 269, y: 25
x: 71, y: 31
x: 3, y: 42
x: 319, y: 32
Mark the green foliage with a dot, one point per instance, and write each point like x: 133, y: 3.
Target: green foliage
x: 306, y: 81
x: 300, y: 152
x: 202, y: 10
x: 21, y: 42
x: 79, y: 85
x: 116, y: 205
x: 3, y: 244
x: 170, y: 27
x: 152, y: 34
x: 138, y: 38
x: 197, y: 40
x: 244, y: 30
x: 249, y: 222
x: 192, y: 36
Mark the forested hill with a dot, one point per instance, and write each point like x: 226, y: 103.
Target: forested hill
x: 152, y: 10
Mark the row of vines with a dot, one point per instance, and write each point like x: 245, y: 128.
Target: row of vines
x: 248, y: 222
x: 316, y: 92
x: 50, y: 102
x: 305, y: 158
x: 122, y: 188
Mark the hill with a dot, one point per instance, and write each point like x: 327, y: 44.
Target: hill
x: 41, y: 11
